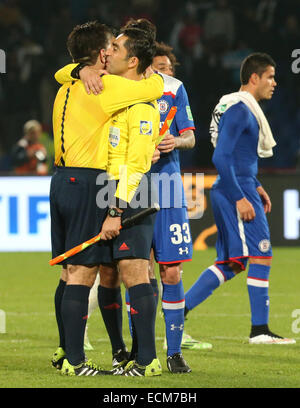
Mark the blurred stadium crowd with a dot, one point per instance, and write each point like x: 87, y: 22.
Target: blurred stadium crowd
x: 210, y: 39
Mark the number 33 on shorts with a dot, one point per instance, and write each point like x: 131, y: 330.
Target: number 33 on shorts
x: 172, y: 241
x: 181, y: 237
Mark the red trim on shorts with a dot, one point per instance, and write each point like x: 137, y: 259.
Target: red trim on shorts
x: 172, y: 262
x: 235, y: 259
x: 188, y: 128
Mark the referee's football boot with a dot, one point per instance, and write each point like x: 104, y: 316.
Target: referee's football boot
x: 263, y: 335
x: 133, y: 369
x: 177, y: 364
x: 87, y: 368
x: 58, y: 358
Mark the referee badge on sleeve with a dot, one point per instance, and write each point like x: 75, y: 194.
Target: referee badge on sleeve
x: 114, y: 136
x: 145, y: 127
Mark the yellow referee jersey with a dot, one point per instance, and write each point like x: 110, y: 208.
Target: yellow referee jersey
x: 132, y: 138
x: 81, y: 122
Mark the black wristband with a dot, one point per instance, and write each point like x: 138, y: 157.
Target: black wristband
x: 77, y: 69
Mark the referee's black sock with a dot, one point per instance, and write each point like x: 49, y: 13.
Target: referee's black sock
x: 57, y: 302
x: 143, y: 313
x: 154, y: 285
x: 134, y: 347
x: 110, y: 303
x: 74, y: 310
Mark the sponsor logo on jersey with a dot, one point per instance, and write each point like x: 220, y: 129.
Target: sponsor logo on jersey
x: 163, y: 106
x: 189, y: 113
x: 264, y: 245
x: 145, y: 127
x: 114, y: 136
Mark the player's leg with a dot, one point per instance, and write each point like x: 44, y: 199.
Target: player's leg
x: 93, y: 304
x: 257, y: 236
x: 154, y: 284
x: 258, y: 290
x: 173, y: 309
x: 135, y: 275
x: 75, y: 309
x: 110, y: 304
x: 59, y: 354
x: 172, y: 245
x: 209, y: 280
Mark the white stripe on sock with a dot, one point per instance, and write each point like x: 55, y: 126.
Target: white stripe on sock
x: 218, y: 273
x: 180, y: 304
x: 260, y: 283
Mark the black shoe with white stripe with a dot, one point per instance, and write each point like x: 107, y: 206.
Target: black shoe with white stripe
x: 177, y: 364
x: 87, y: 368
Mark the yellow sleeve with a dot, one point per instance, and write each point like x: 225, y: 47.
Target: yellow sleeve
x: 143, y: 128
x: 64, y: 74
x: 120, y: 92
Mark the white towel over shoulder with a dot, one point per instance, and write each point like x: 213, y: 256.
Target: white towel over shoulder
x: 266, y: 141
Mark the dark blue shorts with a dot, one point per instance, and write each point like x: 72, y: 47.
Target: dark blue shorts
x: 172, y: 241
x: 75, y: 216
x: 135, y: 241
x: 238, y: 240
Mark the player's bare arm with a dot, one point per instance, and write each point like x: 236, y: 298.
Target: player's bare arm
x: 186, y: 140
x: 183, y: 142
x: 245, y: 209
x: 265, y: 199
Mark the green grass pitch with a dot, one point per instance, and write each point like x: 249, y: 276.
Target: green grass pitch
x: 27, y: 287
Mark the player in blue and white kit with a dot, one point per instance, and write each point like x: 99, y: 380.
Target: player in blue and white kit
x: 241, y: 134
x: 172, y: 242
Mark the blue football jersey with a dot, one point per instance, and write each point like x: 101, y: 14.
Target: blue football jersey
x: 174, y: 95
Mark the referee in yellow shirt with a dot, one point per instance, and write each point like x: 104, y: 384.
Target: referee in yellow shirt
x: 80, y: 125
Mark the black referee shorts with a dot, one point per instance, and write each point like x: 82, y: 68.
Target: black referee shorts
x: 75, y: 216
x: 135, y: 241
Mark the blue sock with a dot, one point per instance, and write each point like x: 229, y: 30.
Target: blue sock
x: 173, y: 308
x: 208, y: 281
x: 258, y: 290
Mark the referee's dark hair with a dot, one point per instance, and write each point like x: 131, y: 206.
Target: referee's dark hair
x: 141, y: 44
x: 86, y: 40
x: 255, y: 63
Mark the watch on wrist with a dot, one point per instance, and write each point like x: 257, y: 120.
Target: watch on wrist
x: 113, y: 212
x: 77, y: 69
